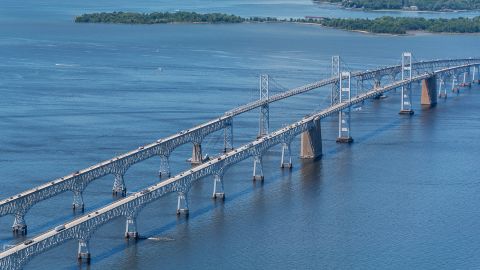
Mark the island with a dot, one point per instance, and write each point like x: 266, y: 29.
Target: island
x: 382, y: 25
x: 423, y: 5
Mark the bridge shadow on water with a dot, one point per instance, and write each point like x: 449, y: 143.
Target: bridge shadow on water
x: 231, y: 198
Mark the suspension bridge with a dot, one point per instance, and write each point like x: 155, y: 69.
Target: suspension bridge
x: 435, y: 76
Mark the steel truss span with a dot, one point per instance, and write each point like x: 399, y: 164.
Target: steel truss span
x: 17, y: 205
x: 83, y: 228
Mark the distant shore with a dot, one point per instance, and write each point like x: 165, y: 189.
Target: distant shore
x: 382, y: 25
x: 407, y: 5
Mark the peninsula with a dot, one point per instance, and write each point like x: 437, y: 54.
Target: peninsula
x: 383, y: 25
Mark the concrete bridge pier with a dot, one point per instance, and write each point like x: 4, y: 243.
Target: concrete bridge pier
x: 311, y: 142
x: 78, y: 200
x: 164, y: 166
x: 182, y: 203
x: 83, y: 251
x: 218, y: 191
x: 19, y: 226
x: 131, y: 228
x: 119, y: 187
x: 197, y: 154
x: 286, y: 161
x: 258, y: 168
x: 429, y: 91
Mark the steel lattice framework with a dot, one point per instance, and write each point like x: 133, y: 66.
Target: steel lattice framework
x: 84, y: 227
x: 19, y: 204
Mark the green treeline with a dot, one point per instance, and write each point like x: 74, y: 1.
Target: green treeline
x: 157, y: 17
x: 387, y: 25
x: 167, y: 17
x: 432, y: 5
x: 401, y: 25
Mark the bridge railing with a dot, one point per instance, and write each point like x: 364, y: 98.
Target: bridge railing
x: 85, y: 225
x: 21, y: 202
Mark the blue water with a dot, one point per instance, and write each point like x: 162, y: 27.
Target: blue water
x: 403, y: 196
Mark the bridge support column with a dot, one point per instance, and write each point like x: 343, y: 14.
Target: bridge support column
x: 78, y: 200
x: 344, y: 127
x: 131, y: 228
x: 442, y: 89
x: 119, y: 187
x: 197, y: 154
x: 311, y: 142
x: 286, y: 161
x: 406, y: 99
x: 258, y: 168
x: 182, y: 203
x: 264, y: 121
x: 476, y: 74
x: 83, y: 251
x: 335, y: 92
x: 344, y: 115
x: 19, y: 225
x: 455, y: 88
x: 164, y: 166
x: 465, y: 83
x: 218, y: 191
x: 473, y: 70
x: 228, y: 138
x: 429, y: 91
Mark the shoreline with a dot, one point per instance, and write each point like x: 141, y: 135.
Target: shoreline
x: 364, y: 32
x: 387, y: 25
x: 445, y: 11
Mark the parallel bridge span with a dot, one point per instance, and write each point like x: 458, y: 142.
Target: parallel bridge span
x: 83, y: 228
x: 19, y: 204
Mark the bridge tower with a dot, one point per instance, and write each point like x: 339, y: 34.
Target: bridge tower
x: 228, y: 137
x: 264, y: 110
x: 344, y: 115
x: 406, y: 105
x: 335, y: 94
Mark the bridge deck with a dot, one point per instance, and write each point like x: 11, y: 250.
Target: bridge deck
x: 180, y: 181
x: 84, y: 176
